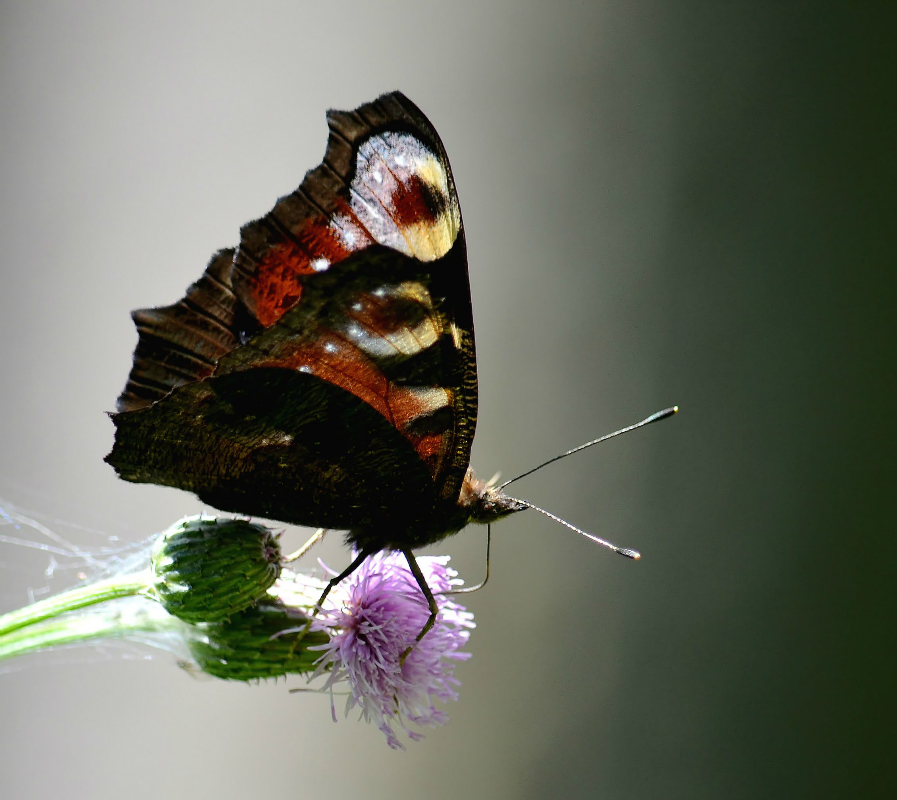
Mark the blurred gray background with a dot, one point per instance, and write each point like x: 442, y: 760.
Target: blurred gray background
x: 683, y: 202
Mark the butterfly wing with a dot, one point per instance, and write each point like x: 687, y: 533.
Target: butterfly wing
x: 323, y: 374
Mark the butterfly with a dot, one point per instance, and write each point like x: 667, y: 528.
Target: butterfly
x: 323, y: 373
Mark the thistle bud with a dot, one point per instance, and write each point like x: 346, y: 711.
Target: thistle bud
x: 207, y: 569
x: 264, y: 641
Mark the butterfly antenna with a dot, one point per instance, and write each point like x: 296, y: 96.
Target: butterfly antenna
x: 623, y: 551
x: 666, y: 413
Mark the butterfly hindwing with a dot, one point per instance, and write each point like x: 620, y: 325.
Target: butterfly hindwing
x: 275, y: 443
x: 346, y: 310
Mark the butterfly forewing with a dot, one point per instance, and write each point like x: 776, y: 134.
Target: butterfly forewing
x: 182, y: 343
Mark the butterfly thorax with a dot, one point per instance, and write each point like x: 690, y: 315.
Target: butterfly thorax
x: 479, y: 502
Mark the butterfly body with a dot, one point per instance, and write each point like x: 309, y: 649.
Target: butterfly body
x: 324, y: 372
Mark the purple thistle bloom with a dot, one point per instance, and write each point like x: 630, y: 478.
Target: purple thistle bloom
x: 382, y: 611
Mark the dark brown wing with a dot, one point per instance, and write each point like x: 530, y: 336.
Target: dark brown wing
x: 277, y: 443
x: 182, y: 343
x: 357, y: 280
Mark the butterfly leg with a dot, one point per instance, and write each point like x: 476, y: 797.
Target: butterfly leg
x: 333, y: 582
x: 316, y: 537
x: 431, y: 601
x: 469, y: 589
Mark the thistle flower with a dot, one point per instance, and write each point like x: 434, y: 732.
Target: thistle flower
x: 380, y: 612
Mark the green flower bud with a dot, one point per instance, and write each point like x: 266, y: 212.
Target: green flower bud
x: 261, y: 642
x: 207, y: 569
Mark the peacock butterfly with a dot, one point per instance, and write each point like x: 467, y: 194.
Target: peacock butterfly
x: 324, y: 372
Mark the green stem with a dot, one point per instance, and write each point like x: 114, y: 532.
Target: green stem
x: 91, y: 594
x: 114, y: 622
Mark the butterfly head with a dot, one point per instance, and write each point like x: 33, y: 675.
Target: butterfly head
x: 484, y: 502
